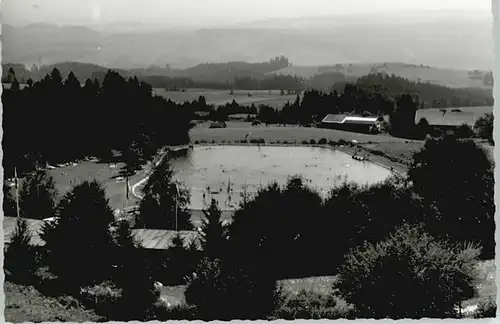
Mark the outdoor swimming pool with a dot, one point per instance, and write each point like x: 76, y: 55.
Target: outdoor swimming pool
x: 211, y: 168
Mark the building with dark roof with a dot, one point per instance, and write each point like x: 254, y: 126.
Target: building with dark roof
x: 352, y: 123
x: 445, y: 119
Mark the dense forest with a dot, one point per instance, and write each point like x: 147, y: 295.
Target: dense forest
x: 56, y: 120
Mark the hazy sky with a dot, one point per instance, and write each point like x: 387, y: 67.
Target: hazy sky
x: 209, y: 11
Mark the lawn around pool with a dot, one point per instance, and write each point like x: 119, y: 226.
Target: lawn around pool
x: 222, y: 97
x: 382, y: 149
x: 67, y: 176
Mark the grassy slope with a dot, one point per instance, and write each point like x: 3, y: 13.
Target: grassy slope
x: 26, y: 304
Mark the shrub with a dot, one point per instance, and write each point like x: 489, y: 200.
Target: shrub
x: 185, y: 312
x: 304, y: 142
x: 285, y: 142
x: 323, y: 141
x: 332, y: 143
x: 257, y: 141
x: 309, y: 305
x: 222, y: 290
x: 312, y: 141
x: 486, y: 309
x: 196, y: 142
x: 408, y: 275
x: 484, y: 127
x: 343, y: 142
x: 103, y: 298
x: 464, y: 131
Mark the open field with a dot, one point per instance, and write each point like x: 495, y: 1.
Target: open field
x: 221, y: 97
x: 465, y: 115
x: 26, y: 304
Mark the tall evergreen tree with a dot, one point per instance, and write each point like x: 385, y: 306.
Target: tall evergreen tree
x: 79, y: 242
x: 133, y: 276
x: 9, y: 203
x: 213, y: 232
x: 20, y: 256
x: 164, y: 202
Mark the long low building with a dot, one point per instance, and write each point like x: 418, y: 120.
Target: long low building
x: 151, y: 239
x: 352, y: 123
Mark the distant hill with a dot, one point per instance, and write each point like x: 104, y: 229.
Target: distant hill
x: 412, y: 72
x: 459, y: 42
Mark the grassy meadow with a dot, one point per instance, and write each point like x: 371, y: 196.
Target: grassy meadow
x: 222, y: 97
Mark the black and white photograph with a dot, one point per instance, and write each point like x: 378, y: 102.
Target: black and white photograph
x: 223, y: 160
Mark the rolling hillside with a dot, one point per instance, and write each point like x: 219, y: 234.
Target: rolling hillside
x: 457, y: 42
x: 412, y: 72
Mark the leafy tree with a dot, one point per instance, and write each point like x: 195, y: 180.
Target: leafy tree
x: 270, y: 231
x: 408, y: 275
x: 37, y: 196
x: 11, y: 75
x: 213, y: 232
x: 423, y: 127
x: 223, y: 291
x: 79, y: 243
x: 403, y: 119
x: 162, y: 200
x: 354, y: 214
x: 138, y: 296
x: 456, y: 177
x: 484, y: 127
x: 20, y: 255
x: 464, y: 131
